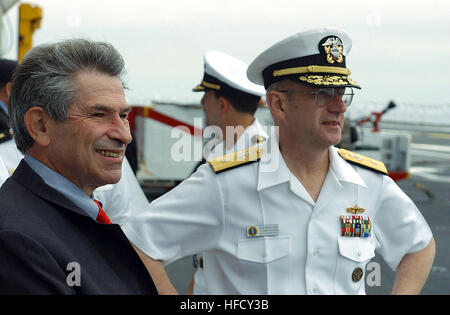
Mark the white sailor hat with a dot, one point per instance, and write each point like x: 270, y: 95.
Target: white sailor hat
x: 316, y: 57
x: 224, y: 72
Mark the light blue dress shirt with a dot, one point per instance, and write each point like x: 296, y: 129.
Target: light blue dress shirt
x: 64, y: 186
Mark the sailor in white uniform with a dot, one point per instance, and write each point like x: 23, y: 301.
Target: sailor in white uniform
x: 230, y: 101
x: 297, y: 215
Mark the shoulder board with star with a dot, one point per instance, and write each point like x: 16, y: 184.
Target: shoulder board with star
x: 5, y: 135
x: 363, y: 161
x: 235, y: 159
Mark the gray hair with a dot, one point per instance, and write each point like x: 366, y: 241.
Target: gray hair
x: 45, y: 78
x: 280, y: 85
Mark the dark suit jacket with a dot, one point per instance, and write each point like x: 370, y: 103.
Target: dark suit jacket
x: 41, y: 234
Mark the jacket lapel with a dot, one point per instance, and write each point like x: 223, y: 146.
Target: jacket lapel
x: 33, y: 182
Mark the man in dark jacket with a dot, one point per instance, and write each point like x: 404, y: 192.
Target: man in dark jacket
x: 69, y: 117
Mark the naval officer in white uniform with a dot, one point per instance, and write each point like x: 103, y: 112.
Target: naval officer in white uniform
x: 229, y: 101
x: 300, y: 217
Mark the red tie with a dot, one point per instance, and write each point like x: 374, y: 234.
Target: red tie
x: 101, y: 216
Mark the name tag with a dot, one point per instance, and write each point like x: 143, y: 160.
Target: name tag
x: 262, y: 230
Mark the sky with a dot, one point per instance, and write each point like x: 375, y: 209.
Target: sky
x: 401, y: 49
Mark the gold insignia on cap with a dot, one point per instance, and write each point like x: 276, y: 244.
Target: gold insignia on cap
x: 334, y: 48
x: 198, y: 88
x: 311, y: 69
x: 355, y: 209
x: 210, y: 85
x: 328, y: 80
x: 357, y: 274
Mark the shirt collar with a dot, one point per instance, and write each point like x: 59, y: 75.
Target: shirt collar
x: 249, y: 137
x: 246, y: 139
x: 64, y: 186
x: 343, y: 171
x: 259, y: 129
x: 273, y: 170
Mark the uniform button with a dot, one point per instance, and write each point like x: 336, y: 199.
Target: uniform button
x: 264, y: 255
x: 315, y: 252
x: 358, y: 253
x: 315, y: 290
x: 357, y: 274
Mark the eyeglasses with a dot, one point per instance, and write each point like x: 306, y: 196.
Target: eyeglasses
x: 324, y: 96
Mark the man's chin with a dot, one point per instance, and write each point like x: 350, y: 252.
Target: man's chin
x: 111, y: 177
x: 336, y: 142
x: 334, y: 139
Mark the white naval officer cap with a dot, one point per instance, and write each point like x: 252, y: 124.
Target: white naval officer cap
x: 224, y: 72
x: 315, y: 57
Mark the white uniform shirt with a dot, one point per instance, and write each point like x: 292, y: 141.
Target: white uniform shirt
x: 252, y: 135
x: 3, y: 172
x: 11, y: 155
x: 247, y: 139
x: 117, y: 200
x: 212, y: 212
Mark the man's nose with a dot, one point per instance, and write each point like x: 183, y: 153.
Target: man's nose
x: 120, y: 130
x: 337, y: 104
x: 203, y: 101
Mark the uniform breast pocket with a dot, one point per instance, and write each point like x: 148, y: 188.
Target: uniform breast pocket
x: 262, y: 261
x: 355, y: 253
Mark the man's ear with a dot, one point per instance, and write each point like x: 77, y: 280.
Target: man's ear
x: 38, y: 122
x: 8, y: 89
x: 225, y: 105
x: 277, y: 102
